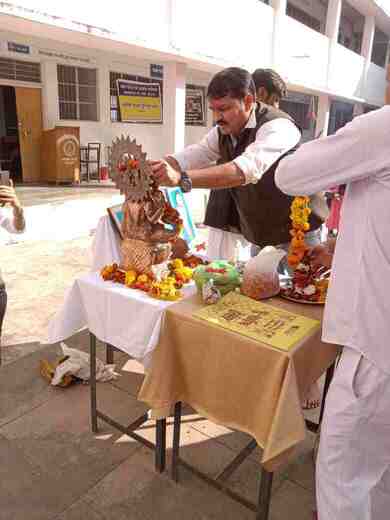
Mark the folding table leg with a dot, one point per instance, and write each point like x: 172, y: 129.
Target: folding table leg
x: 109, y: 354
x: 328, y: 380
x: 264, y: 495
x: 176, y: 442
x: 161, y: 428
x: 92, y: 381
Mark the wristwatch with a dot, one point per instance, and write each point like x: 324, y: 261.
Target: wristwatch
x: 185, y: 182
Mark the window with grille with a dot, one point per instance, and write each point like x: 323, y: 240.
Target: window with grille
x: 114, y: 107
x: 303, y: 109
x: 20, y: 70
x: 303, y: 17
x: 77, y: 93
x: 379, y: 48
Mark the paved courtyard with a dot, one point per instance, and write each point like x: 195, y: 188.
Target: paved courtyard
x: 51, y: 466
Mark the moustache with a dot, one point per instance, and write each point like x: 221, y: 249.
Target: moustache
x: 221, y: 123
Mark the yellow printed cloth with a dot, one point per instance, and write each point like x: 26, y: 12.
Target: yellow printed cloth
x: 260, y: 321
x: 235, y: 380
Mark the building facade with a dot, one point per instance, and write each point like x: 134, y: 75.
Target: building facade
x: 60, y: 63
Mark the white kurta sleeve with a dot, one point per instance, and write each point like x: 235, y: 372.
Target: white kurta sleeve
x: 358, y: 150
x: 201, y: 154
x: 273, y: 139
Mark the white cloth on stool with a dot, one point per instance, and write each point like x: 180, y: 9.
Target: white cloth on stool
x: 126, y: 318
x: 353, y: 475
x: 106, y: 245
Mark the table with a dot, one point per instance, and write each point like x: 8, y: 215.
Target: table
x: 104, y: 308
x: 238, y: 382
x: 185, y: 346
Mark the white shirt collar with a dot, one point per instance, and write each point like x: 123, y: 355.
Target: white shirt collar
x: 252, y: 119
x: 251, y: 123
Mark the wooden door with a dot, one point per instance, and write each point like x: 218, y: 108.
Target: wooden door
x: 29, y: 112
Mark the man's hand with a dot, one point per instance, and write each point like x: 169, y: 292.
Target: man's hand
x: 164, y: 174
x: 322, y: 255
x: 8, y: 196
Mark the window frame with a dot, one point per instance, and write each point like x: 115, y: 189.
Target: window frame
x: 77, y: 86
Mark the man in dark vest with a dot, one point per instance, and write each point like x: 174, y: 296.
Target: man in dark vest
x: 247, y: 143
x: 225, y: 243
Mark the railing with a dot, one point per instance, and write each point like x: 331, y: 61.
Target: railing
x: 218, y: 31
x: 375, y: 87
x: 303, y: 54
x: 346, y: 72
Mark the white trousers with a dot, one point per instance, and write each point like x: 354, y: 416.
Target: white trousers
x: 353, y: 466
x: 223, y: 245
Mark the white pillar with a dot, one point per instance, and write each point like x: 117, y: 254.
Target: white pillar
x: 104, y: 101
x: 358, y: 109
x: 387, y: 55
x: 333, y: 19
x: 174, y: 106
x: 103, y: 134
x: 50, y: 107
x: 367, y: 46
x: 280, y: 8
x: 322, y: 123
x: 332, y: 30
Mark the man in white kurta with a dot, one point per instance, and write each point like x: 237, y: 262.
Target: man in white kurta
x: 353, y: 476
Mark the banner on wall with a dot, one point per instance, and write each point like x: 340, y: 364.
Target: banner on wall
x: 195, y: 105
x: 139, y: 102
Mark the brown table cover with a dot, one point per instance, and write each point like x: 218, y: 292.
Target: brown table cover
x: 234, y: 380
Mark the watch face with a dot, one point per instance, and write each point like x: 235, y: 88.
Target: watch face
x: 186, y: 184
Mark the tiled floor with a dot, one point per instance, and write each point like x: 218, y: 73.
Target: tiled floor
x: 53, y: 468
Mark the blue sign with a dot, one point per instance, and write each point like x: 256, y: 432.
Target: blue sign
x: 156, y: 71
x: 18, y: 47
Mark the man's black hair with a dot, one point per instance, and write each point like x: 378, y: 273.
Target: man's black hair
x: 234, y: 82
x: 271, y: 81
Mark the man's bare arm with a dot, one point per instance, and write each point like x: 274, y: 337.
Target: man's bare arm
x: 172, y: 162
x: 226, y: 175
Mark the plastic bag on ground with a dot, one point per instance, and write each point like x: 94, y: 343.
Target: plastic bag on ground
x: 78, y: 364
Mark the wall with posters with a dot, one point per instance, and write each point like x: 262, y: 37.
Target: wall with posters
x: 108, y: 66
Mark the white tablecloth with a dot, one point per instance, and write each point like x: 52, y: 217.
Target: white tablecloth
x: 126, y: 318
x: 106, y: 245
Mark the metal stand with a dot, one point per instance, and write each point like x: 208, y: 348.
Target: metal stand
x: 263, y: 505
x: 328, y: 380
x: 109, y: 354
x: 312, y: 426
x: 159, y: 447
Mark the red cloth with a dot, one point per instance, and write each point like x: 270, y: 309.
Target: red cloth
x: 333, y: 220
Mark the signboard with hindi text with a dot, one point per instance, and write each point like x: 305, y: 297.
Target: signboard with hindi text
x: 260, y: 321
x: 195, y: 105
x: 139, y: 102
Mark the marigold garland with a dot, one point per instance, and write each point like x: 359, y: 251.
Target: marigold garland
x: 300, y: 213
x: 180, y: 273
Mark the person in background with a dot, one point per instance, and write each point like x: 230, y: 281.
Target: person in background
x: 270, y: 87
x: 336, y: 202
x: 224, y: 242
x: 353, y: 464
x: 14, y: 224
